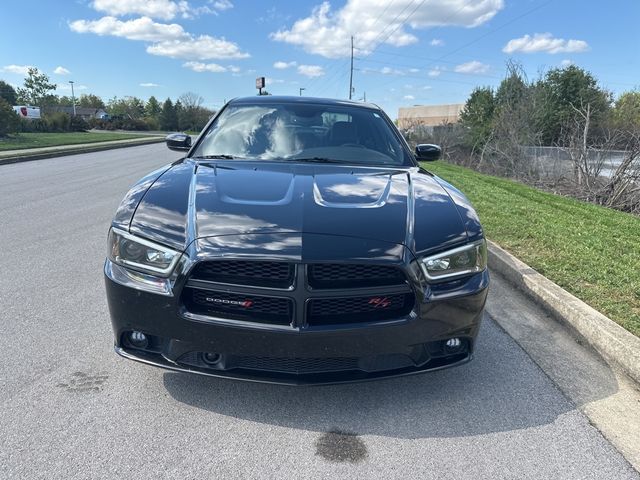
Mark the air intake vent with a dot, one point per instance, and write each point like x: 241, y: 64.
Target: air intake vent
x: 252, y: 308
x: 244, y: 272
x: 351, y: 275
x: 336, y: 311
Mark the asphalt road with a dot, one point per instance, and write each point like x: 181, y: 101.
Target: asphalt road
x: 70, y: 408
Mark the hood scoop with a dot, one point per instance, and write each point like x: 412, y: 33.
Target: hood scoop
x: 351, y: 191
x: 253, y: 187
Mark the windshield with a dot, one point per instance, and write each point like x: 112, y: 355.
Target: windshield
x: 303, y: 132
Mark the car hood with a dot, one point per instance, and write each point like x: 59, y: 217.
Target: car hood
x: 197, y: 200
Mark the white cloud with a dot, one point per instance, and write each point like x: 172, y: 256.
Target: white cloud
x: 311, y: 70
x: 414, y: 70
x: 391, y: 71
x: 170, y: 39
x: 272, y: 81
x: 566, y: 62
x: 203, y: 47
x: 544, y: 42
x: 473, y: 67
x: 409, y: 97
x: 205, y: 67
x: 149, y: 85
x: 435, y: 72
x: 280, y: 65
x: 67, y: 87
x: 162, y: 9
x: 142, y: 28
x: 272, y: 16
x: 17, y: 69
x: 436, y: 42
x: 221, y: 4
x: 327, y: 33
x: 61, y: 71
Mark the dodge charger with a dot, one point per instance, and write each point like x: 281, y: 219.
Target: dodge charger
x: 298, y: 241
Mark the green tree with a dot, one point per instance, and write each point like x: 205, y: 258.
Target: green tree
x: 65, y: 101
x: 128, y: 107
x: 178, y: 107
x: 626, y: 111
x: 513, y: 90
x: 152, y: 109
x: 9, y: 121
x: 169, y: 116
x: 37, y: 89
x: 8, y: 93
x: 561, y: 92
x: 477, y: 117
x: 89, y: 100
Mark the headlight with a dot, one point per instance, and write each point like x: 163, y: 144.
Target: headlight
x: 460, y: 261
x: 139, y: 254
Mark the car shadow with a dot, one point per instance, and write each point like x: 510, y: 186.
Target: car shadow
x: 500, y: 390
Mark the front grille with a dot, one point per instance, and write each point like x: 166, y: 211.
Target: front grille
x: 254, y: 308
x: 350, y: 275
x: 255, y: 303
x: 372, y: 308
x: 294, y: 365
x: 246, y: 272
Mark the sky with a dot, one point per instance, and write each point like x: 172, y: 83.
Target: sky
x: 406, y: 52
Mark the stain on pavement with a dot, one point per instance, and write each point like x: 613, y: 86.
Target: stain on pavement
x: 84, y: 382
x: 339, y: 446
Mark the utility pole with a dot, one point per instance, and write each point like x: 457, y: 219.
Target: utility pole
x: 351, y: 72
x: 301, y: 89
x: 73, y: 98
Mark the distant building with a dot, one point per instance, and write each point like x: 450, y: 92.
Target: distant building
x: 83, y: 112
x: 428, y: 115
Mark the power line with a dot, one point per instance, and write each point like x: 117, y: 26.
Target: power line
x: 477, y: 39
x: 392, y: 22
x: 381, y: 33
x: 333, y: 67
x: 412, y: 66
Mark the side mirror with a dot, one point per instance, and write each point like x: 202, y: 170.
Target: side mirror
x: 428, y: 152
x: 179, y: 142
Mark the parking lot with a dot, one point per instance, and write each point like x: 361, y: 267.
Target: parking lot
x: 70, y: 408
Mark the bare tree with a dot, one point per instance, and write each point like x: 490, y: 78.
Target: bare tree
x: 191, y: 100
x: 622, y: 191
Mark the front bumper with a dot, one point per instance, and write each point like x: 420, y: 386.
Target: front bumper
x: 407, y: 345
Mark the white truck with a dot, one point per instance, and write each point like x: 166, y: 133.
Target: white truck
x: 24, y: 111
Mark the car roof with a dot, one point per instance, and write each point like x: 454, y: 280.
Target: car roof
x: 282, y: 99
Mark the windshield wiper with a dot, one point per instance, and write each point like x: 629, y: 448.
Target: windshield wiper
x: 221, y: 156
x: 316, y: 160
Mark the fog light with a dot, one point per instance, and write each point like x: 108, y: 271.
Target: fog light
x: 211, y: 358
x: 453, y: 343
x: 138, y: 339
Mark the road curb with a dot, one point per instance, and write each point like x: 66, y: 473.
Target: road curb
x: 76, y: 151
x: 613, y: 342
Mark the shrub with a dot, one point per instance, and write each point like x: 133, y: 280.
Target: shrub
x: 119, y: 124
x: 57, y: 122
x: 78, y: 124
x: 9, y: 121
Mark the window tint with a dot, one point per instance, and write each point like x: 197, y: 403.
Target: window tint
x: 300, y: 132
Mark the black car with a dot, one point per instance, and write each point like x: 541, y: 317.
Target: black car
x: 299, y: 241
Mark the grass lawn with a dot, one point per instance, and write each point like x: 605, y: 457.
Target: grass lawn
x: 590, y: 251
x: 33, y: 140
